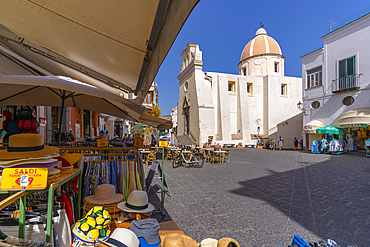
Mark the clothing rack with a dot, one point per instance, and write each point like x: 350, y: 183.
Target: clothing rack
x: 131, y: 168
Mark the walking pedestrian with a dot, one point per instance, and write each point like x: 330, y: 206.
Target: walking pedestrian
x: 295, y: 144
x: 301, y: 142
x: 281, y: 142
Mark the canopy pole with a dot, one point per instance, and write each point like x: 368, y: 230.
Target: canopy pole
x: 61, y: 118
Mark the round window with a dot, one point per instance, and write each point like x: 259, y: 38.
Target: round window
x: 315, y: 104
x: 348, y: 100
x: 186, y: 85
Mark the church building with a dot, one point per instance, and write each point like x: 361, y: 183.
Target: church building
x: 259, y: 103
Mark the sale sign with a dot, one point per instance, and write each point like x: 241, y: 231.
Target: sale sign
x: 102, y: 143
x: 163, y: 143
x: 30, y: 178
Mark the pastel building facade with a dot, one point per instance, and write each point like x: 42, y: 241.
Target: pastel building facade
x: 336, y: 82
x: 259, y: 102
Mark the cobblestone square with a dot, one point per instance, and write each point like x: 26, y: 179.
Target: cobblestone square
x: 264, y: 197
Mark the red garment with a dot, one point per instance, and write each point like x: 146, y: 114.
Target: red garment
x: 68, y: 206
x: 8, y: 116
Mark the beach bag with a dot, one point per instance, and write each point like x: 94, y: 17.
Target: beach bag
x: 12, y: 128
x: 27, y: 125
x: 25, y: 113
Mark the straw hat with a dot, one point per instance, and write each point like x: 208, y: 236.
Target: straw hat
x: 137, y: 202
x: 227, y: 242
x: 26, y: 146
x: 209, y: 242
x: 122, y: 237
x: 105, y: 194
x: 94, y: 226
x: 177, y: 240
x: 68, y: 160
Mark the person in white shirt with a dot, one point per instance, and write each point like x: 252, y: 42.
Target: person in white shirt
x: 281, y: 142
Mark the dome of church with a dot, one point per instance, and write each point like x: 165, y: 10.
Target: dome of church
x: 261, y: 44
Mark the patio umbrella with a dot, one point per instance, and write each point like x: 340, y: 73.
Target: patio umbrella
x: 53, y: 91
x: 330, y: 130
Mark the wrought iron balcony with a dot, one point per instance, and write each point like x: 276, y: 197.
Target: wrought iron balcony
x: 351, y: 82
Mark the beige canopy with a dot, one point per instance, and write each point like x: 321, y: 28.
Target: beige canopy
x: 354, y: 118
x: 49, y: 91
x: 121, y: 42
x: 158, y: 122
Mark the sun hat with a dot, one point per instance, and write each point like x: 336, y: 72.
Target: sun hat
x: 94, y: 226
x: 209, y: 242
x: 122, y: 237
x: 227, y: 242
x: 105, y: 194
x: 34, y: 164
x: 147, y: 229
x: 137, y: 202
x: 26, y: 146
x: 177, y: 240
x: 68, y: 160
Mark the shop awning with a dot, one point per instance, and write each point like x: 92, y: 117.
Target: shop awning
x: 120, y: 42
x: 330, y: 130
x: 159, y: 123
x: 312, y: 125
x: 49, y: 91
x: 354, y: 118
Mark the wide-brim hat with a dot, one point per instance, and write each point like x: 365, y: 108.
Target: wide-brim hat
x: 105, y: 194
x: 49, y: 163
x: 70, y: 159
x: 94, y: 226
x: 227, y: 242
x: 26, y: 145
x: 208, y: 242
x: 177, y: 240
x: 122, y: 237
x: 137, y: 202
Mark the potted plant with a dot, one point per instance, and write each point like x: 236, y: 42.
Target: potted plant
x: 240, y: 145
x: 259, y: 145
x: 217, y: 145
x: 205, y: 145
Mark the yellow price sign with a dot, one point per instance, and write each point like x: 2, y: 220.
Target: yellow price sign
x: 30, y: 178
x: 102, y: 143
x: 138, y: 141
x: 163, y: 143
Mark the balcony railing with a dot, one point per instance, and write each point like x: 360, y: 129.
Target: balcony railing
x: 350, y: 82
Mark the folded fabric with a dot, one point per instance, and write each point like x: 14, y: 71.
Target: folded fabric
x: 25, y: 243
x: 144, y: 243
x: 147, y: 229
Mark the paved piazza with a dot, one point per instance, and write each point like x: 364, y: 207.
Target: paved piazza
x: 265, y: 197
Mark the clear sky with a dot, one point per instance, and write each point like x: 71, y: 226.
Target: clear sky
x: 223, y: 28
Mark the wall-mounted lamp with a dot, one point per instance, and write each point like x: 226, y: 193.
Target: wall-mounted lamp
x: 300, y: 107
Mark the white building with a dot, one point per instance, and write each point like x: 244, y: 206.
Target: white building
x: 336, y: 82
x: 232, y: 108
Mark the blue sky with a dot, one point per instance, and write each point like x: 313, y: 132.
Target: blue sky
x: 223, y: 28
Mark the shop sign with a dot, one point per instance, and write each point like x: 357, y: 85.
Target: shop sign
x: 163, y: 143
x: 42, y: 122
x: 102, y: 143
x: 138, y: 141
x: 351, y: 125
x: 29, y: 178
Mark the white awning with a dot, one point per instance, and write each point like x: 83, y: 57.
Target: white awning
x: 354, y: 118
x: 312, y: 125
x: 122, y: 42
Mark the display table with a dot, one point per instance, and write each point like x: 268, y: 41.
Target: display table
x: 52, y: 184
x: 168, y: 227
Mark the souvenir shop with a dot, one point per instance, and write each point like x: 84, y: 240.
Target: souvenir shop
x: 332, y: 141
x: 80, y: 196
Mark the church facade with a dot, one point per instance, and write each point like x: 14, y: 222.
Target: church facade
x: 258, y: 103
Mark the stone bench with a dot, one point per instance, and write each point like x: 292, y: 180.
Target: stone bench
x: 250, y: 146
x: 229, y: 145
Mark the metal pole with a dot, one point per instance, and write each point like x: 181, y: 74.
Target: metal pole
x: 61, y: 118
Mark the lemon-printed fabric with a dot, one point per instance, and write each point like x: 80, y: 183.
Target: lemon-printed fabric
x: 95, y: 225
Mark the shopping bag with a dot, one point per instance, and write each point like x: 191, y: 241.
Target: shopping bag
x: 299, y: 241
